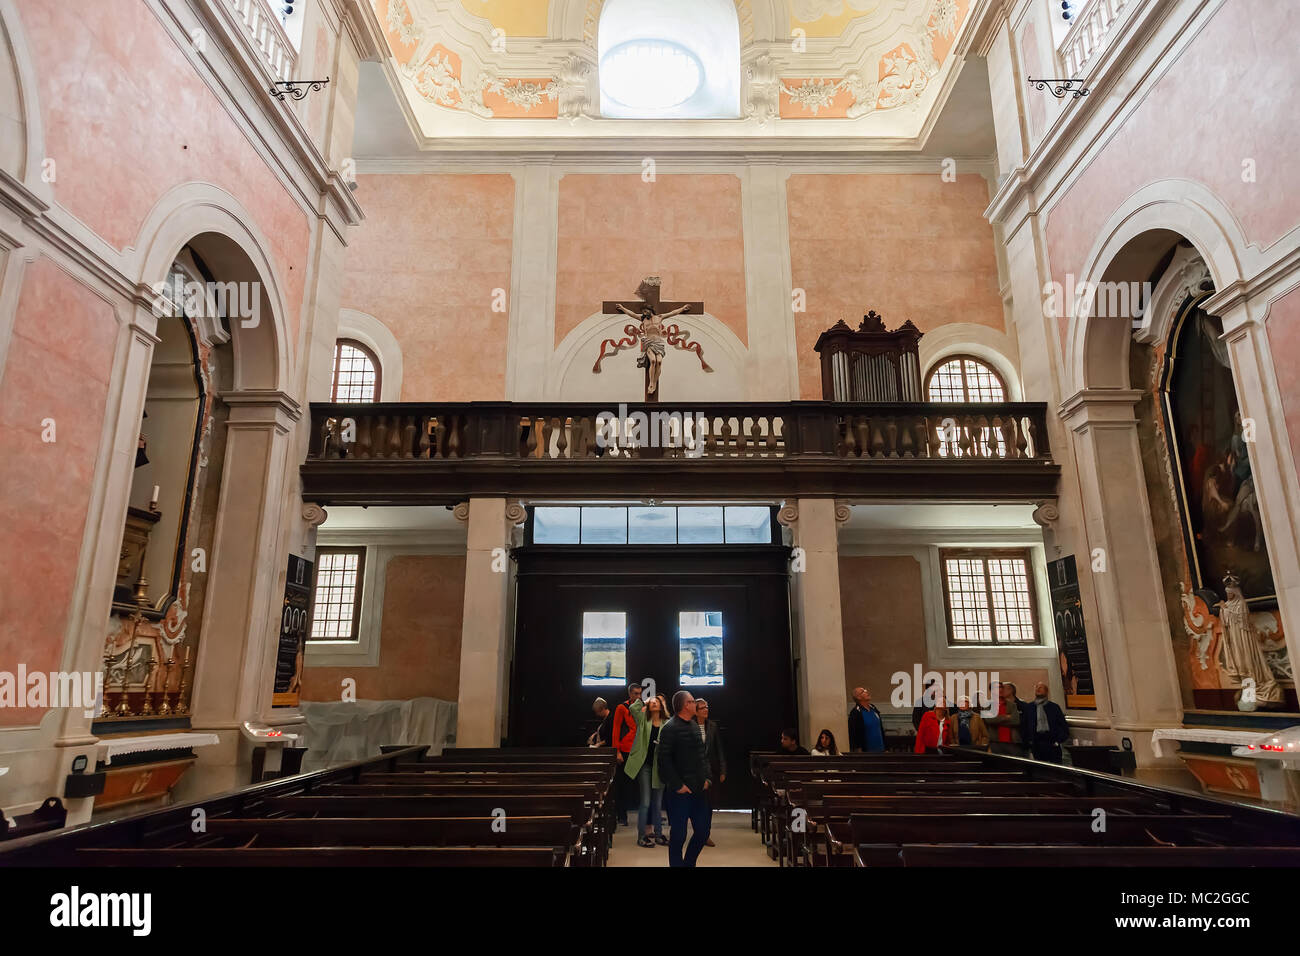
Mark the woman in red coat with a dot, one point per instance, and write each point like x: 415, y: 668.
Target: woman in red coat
x: 931, y: 732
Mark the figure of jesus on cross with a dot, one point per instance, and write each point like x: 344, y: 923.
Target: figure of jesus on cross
x: 653, y: 332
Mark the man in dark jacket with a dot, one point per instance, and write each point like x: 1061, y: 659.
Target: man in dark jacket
x: 712, y: 752
x: 684, y: 770
x: 866, y: 728
x: 1043, y: 726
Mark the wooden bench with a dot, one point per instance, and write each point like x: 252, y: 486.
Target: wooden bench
x: 1072, y: 856
x: 386, y: 856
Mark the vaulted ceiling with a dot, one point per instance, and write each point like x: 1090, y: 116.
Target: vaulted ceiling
x: 472, y: 73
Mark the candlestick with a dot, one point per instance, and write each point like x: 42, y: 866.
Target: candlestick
x: 153, y: 502
x: 182, y: 705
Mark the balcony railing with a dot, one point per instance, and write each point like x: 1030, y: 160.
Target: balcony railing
x: 1088, y: 34
x: 262, y: 26
x: 430, y: 453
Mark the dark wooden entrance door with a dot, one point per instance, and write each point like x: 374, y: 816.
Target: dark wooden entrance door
x: 669, y: 606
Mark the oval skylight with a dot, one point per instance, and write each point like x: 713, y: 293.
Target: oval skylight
x: 650, y: 75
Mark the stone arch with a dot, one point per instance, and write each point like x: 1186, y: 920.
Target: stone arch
x: 1139, y: 233
x: 221, y: 231
x: 373, y: 334
x: 620, y: 380
x: 986, y: 344
x: 21, y: 134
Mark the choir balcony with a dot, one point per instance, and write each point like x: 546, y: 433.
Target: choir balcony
x: 429, y: 454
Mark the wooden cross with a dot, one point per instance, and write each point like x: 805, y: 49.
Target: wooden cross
x: 649, y: 290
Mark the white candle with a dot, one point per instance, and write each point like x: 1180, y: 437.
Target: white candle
x: 153, y: 502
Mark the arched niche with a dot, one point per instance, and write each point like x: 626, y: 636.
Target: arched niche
x: 682, y: 380
x: 229, y: 539
x: 1128, y: 248
x: 224, y: 235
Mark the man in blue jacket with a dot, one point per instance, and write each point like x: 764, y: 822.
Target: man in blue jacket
x: 1043, y: 727
x: 866, y: 728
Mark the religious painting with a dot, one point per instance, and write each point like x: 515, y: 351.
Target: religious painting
x: 1210, y: 450
x: 1071, y: 638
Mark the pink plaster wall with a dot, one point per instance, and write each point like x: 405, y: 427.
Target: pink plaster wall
x: 883, y: 609
x: 103, y: 68
x: 1231, y: 96
x: 909, y: 246
x: 1284, y: 342
x: 59, y: 363
x: 426, y: 262
x: 617, y: 229
x: 419, y: 653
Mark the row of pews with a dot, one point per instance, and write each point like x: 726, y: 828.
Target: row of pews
x: 963, y: 807
x: 465, y: 808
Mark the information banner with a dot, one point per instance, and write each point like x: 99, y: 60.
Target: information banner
x: 293, y: 633
x: 1067, y: 615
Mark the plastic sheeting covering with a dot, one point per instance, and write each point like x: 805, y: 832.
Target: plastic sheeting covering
x: 339, y: 732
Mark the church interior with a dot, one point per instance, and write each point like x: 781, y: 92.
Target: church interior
x: 390, y: 388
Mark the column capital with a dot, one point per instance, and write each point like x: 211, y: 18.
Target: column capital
x: 262, y: 407
x: 1101, y: 406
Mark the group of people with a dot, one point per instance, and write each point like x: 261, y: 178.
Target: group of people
x: 668, y: 760
x: 1036, y: 728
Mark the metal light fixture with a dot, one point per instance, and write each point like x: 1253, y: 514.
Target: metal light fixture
x: 297, y: 89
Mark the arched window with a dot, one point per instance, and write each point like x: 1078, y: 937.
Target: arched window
x: 673, y: 59
x: 356, y: 373
x: 962, y: 378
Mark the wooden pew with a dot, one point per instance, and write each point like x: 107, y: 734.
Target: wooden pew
x: 540, y: 831
x: 1109, y: 856
x: 386, y: 856
x: 877, y: 838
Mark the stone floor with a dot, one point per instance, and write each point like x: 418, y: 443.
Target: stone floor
x: 737, y: 845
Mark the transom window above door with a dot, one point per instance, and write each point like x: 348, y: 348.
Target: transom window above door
x: 646, y: 524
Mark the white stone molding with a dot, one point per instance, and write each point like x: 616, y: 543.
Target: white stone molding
x: 1187, y: 275
x: 1096, y: 351
x: 377, y: 337
x: 984, y: 343
x: 27, y: 109
x: 572, y: 379
x: 264, y: 355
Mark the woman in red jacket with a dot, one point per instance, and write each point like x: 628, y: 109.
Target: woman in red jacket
x: 930, y: 734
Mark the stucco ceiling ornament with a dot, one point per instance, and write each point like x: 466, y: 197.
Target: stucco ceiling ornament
x: 406, y: 33
x: 525, y: 95
x: 814, y: 95
x: 764, y: 92
x: 808, y: 11
x: 575, y: 99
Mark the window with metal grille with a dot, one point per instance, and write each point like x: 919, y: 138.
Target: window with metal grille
x: 966, y: 380
x: 336, y: 608
x: 988, y: 597
x: 356, y: 373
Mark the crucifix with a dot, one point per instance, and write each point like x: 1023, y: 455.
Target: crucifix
x: 652, y: 333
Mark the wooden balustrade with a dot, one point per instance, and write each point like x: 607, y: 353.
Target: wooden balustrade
x: 396, y: 453
x: 1003, y: 432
